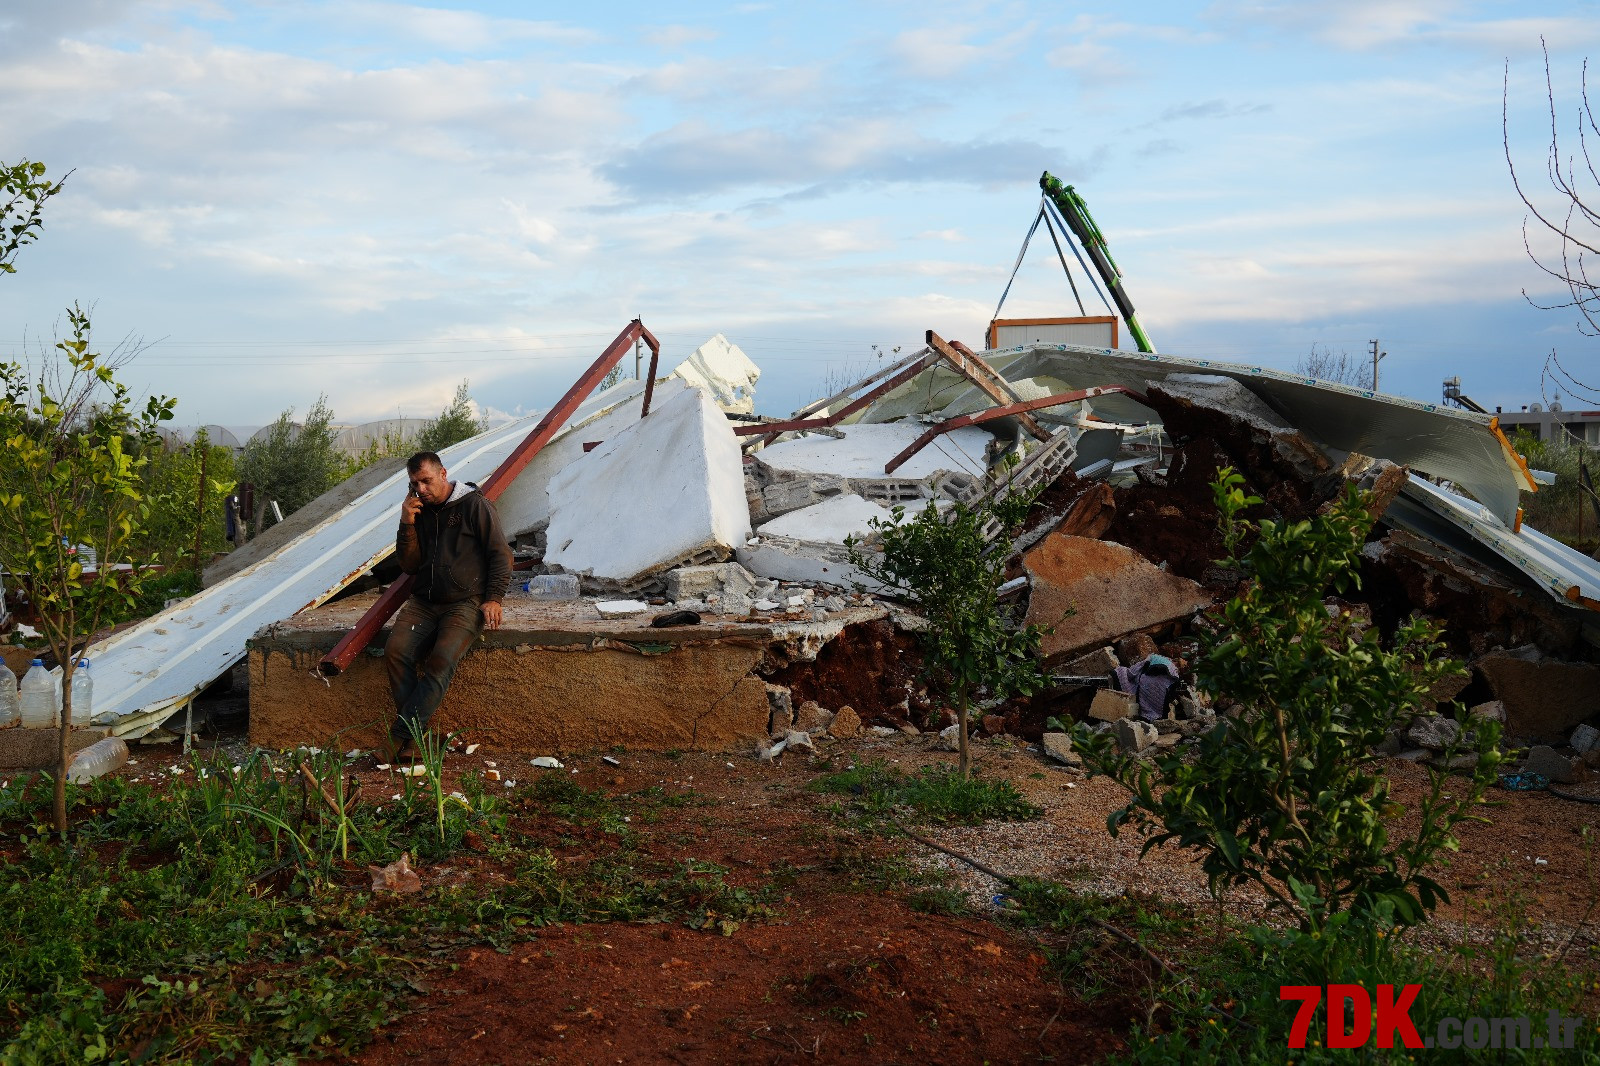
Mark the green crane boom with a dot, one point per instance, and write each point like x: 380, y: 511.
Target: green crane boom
x: 1075, y: 213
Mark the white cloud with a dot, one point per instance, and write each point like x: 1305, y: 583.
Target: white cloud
x: 674, y: 37
x: 950, y: 51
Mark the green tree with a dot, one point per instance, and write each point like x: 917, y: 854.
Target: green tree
x: 942, y: 562
x: 73, y: 480
x: 23, y: 192
x: 294, y: 464
x: 1286, y: 792
x: 186, y: 488
x: 456, y: 423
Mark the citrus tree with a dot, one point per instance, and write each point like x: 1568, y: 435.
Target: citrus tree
x: 73, y: 478
x: 941, y: 562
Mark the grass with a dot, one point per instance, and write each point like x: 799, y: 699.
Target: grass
x: 226, y: 916
x: 936, y: 793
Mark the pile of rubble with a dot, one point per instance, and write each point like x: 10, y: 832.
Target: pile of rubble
x: 677, y: 508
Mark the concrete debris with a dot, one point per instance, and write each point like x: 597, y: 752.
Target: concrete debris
x: 545, y: 762
x: 1196, y: 404
x: 769, y: 753
x: 846, y: 723
x: 620, y: 608
x: 397, y: 877
x: 1584, y: 738
x: 1544, y: 698
x: 780, y: 707
x: 1058, y: 746
x: 810, y: 717
x: 798, y: 740
x: 1493, y: 709
x: 1134, y: 736
x: 667, y: 490
x: 700, y: 582
x: 1110, y: 705
x: 723, y: 370
x: 949, y: 739
x: 1434, y: 732
x: 1092, y: 592
x: 1550, y: 763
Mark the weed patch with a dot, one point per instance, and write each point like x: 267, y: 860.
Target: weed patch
x: 937, y: 793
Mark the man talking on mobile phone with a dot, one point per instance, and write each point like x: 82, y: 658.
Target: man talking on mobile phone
x: 450, y: 542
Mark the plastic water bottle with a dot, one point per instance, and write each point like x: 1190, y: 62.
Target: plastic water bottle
x: 40, y: 703
x: 553, y: 587
x: 10, y: 701
x: 82, y: 694
x: 101, y: 757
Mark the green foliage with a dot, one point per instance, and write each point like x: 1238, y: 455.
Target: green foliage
x: 1554, y: 509
x: 1287, y: 794
x: 294, y: 464
x: 182, y: 504
x: 71, y: 480
x: 456, y: 423
x: 23, y: 192
x: 943, y: 564
x: 935, y: 792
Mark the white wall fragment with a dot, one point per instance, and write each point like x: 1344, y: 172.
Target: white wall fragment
x: 725, y: 371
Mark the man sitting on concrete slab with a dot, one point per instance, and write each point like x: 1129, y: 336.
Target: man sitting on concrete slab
x: 450, y: 542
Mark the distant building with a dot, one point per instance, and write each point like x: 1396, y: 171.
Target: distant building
x: 1553, y: 423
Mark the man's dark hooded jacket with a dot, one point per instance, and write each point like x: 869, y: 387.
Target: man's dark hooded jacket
x: 456, y: 550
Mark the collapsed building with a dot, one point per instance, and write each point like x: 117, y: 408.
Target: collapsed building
x: 716, y: 595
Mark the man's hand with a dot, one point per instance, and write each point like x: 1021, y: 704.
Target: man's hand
x: 491, y: 614
x: 409, y: 509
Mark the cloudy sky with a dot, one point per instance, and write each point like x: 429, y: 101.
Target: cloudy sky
x: 376, y: 200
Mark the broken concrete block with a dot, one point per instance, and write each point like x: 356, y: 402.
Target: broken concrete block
x: 1093, y: 591
x: 1554, y: 766
x: 1110, y: 705
x: 830, y: 521
x: 949, y: 739
x: 780, y: 718
x: 1227, y: 409
x: 812, y: 717
x: 1584, y: 738
x: 1168, y: 741
x: 724, y: 371
x: 1493, y: 709
x: 1133, y: 736
x: 698, y: 582
x: 1059, y: 747
x: 1136, y: 648
x: 620, y: 608
x: 1101, y: 662
x: 1543, y: 697
x: 1091, y: 514
x: 846, y: 723
x: 1433, y: 732
x: 797, y: 740
x: 767, y: 754
x: 667, y: 489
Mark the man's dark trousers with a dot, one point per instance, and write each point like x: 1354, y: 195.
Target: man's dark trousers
x: 433, y: 636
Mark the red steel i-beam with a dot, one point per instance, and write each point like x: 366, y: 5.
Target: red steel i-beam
x: 343, y: 654
x: 962, y: 421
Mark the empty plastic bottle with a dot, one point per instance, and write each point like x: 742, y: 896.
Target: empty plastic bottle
x: 553, y: 586
x: 10, y: 700
x: 82, y: 694
x: 40, y: 699
x: 101, y: 757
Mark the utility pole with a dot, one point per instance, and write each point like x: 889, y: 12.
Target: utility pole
x: 637, y: 354
x: 1376, y: 357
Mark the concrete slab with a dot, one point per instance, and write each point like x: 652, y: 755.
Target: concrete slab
x: 723, y: 370
x: 667, y: 489
x: 1094, y: 591
x: 830, y: 521
x: 864, y: 449
x: 554, y: 678
x: 1544, y: 698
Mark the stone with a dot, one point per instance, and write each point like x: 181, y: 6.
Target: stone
x: 910, y: 730
x: 1433, y: 732
x: 812, y: 717
x: 1168, y: 741
x: 1591, y: 758
x: 882, y: 731
x: 698, y: 582
x: 1164, y: 726
x: 772, y: 752
x: 1584, y: 738
x: 1136, y: 648
x: 1465, y: 760
x: 1391, y: 744
x: 1098, y: 663
x: 846, y: 723
x: 1133, y: 735
x: 798, y: 740
x: 1543, y: 697
x: 1494, y: 709
x: 1091, y: 592
x: 620, y: 608
x: 1414, y: 754
x: 1058, y: 746
x: 949, y: 739
x: 679, y: 471
x: 1226, y: 409
x: 1091, y: 514
x: 1445, y: 689
x: 993, y: 724
x: 1110, y: 705
x: 780, y: 707
x: 1545, y: 760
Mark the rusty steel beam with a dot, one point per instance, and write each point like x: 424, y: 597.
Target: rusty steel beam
x: 965, y: 361
x: 989, y: 414
x: 849, y: 390
x: 772, y: 429
x: 343, y: 654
